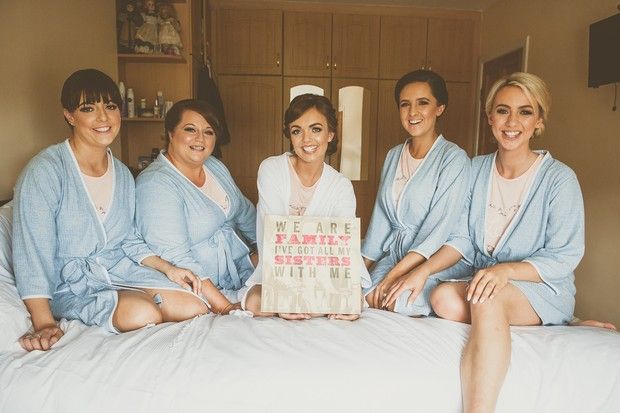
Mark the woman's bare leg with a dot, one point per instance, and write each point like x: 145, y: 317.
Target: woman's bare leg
x: 487, y: 353
x: 177, y: 305
x: 135, y: 310
x: 252, y: 301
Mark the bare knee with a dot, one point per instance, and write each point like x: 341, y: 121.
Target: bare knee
x: 447, y: 302
x: 183, y: 307
x: 135, y: 312
x: 252, y: 299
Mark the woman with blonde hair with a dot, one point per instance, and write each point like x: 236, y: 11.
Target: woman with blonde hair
x: 517, y: 245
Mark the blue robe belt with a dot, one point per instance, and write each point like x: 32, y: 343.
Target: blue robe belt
x: 222, y: 241
x: 83, y: 276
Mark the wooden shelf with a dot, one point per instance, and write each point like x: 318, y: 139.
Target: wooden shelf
x: 137, y: 119
x: 150, y: 58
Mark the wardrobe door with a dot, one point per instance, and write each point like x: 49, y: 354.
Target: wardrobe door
x: 355, y: 46
x: 248, y: 41
x: 451, y: 45
x: 403, y: 45
x: 356, y: 102
x: 389, y: 130
x: 253, y: 107
x: 307, y: 44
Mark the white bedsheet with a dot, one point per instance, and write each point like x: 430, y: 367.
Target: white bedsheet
x: 383, y: 362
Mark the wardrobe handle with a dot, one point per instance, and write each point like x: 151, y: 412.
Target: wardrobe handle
x: 327, y: 62
x: 278, y: 59
x: 335, y: 66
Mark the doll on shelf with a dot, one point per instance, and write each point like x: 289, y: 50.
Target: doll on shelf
x: 146, y: 36
x: 128, y: 20
x: 169, y: 28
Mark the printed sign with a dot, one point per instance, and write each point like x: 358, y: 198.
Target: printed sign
x: 311, y: 265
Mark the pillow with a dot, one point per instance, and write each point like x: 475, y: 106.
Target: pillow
x: 6, y: 229
x: 14, y: 318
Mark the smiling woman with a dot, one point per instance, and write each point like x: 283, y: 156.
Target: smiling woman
x: 299, y: 183
x: 190, y: 211
x: 423, y: 184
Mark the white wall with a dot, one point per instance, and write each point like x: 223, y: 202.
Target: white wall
x: 41, y: 46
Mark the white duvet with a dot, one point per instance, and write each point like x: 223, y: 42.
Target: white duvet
x: 383, y: 362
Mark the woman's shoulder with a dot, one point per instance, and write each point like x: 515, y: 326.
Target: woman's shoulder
x: 157, y: 173
x: 335, y: 178
x: 451, y: 150
x: 273, y: 165
x: 556, y: 170
x: 480, y: 160
x: 48, y: 162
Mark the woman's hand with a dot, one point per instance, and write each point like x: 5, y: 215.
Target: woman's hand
x: 185, y: 278
x: 375, y: 297
x: 42, y: 339
x: 414, y: 281
x: 488, y: 282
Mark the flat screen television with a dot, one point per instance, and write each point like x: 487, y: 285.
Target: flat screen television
x: 604, y: 62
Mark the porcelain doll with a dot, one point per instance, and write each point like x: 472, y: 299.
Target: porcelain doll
x: 146, y: 36
x: 169, y: 28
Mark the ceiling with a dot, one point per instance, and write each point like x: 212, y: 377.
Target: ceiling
x: 444, y: 4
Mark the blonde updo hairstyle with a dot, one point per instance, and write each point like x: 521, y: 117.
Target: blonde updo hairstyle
x: 534, y: 88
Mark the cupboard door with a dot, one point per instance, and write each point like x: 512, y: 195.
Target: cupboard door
x: 403, y: 45
x: 457, y: 122
x: 451, y: 45
x: 248, y: 41
x: 356, y: 102
x: 253, y: 107
x: 307, y: 44
x: 355, y: 46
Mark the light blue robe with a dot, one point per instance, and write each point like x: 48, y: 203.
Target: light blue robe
x: 63, y: 252
x: 428, y: 211
x: 184, y: 226
x: 547, y: 232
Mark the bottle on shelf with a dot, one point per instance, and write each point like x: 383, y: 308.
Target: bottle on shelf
x: 131, y: 105
x: 158, y: 109
x: 121, y: 89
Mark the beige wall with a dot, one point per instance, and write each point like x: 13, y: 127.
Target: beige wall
x: 583, y: 132
x: 40, y: 47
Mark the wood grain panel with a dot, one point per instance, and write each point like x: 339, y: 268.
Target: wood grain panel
x: 403, y: 45
x: 307, y: 44
x: 253, y: 107
x: 451, y: 46
x: 355, y: 46
x: 457, y: 122
x: 248, y: 41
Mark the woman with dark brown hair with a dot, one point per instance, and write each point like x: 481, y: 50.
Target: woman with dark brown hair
x: 190, y: 211
x: 299, y: 182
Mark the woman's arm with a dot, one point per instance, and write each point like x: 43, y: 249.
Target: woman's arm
x: 185, y: 278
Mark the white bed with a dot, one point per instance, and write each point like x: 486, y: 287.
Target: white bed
x: 383, y: 362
